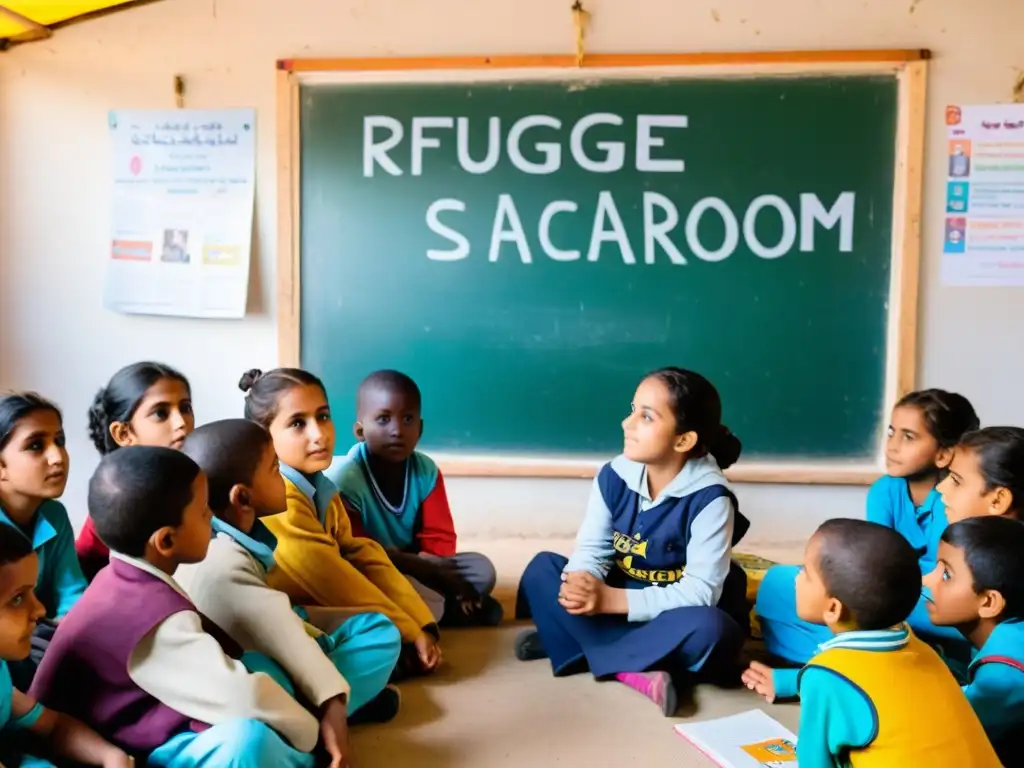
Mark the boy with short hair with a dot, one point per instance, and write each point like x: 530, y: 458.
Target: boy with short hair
x: 395, y: 495
x: 25, y: 725
x: 862, y: 580
x: 338, y: 673
x: 978, y: 588
x: 137, y: 661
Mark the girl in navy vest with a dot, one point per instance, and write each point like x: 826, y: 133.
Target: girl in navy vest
x: 650, y: 596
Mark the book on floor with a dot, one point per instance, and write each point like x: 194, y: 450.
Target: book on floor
x: 750, y: 739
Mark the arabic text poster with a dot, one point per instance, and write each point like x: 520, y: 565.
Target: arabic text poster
x: 183, y: 197
x: 983, y: 231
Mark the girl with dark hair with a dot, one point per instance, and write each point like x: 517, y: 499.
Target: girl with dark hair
x: 33, y: 475
x: 144, y: 403
x: 650, y: 594
x: 986, y: 475
x: 320, y: 564
x: 921, y: 440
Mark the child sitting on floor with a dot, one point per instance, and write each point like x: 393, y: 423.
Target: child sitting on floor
x: 143, y: 404
x: 338, y: 673
x: 860, y: 695
x: 395, y: 495
x: 321, y: 565
x: 924, y: 430
x: 650, y: 594
x: 986, y: 476
x: 136, y: 660
x: 33, y: 474
x: 24, y: 724
x: 978, y: 587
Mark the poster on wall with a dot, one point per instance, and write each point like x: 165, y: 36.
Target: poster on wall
x: 183, y: 197
x: 983, y: 227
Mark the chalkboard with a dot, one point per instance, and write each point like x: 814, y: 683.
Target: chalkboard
x: 527, y: 249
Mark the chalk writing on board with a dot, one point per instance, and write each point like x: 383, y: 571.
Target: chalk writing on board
x: 385, y: 149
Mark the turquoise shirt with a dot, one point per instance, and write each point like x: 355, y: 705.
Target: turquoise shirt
x: 259, y: 542
x: 60, y: 581
x: 889, y: 504
x: 394, y: 527
x: 995, y: 677
x: 27, y: 720
x: 834, y: 713
x: 318, y: 489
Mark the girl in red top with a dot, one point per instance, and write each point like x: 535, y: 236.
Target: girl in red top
x: 143, y: 404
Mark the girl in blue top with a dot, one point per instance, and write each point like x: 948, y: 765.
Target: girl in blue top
x: 33, y: 474
x: 650, y: 594
x: 925, y: 428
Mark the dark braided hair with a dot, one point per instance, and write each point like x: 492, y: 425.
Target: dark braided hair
x: 698, y: 408
x: 948, y: 415
x: 122, y: 396
x: 1000, y: 455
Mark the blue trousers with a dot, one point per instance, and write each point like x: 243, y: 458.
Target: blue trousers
x: 234, y: 744
x: 793, y: 639
x: 697, y: 639
x: 364, y: 649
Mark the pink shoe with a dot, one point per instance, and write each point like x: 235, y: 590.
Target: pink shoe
x: 656, y: 686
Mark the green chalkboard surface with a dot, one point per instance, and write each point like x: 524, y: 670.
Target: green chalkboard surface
x: 527, y: 250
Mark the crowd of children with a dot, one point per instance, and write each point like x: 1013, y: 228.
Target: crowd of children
x: 242, y: 592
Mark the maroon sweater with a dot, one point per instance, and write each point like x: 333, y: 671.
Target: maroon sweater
x: 84, y: 672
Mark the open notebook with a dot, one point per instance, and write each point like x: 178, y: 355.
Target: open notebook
x: 748, y: 740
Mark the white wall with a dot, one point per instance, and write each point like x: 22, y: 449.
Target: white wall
x: 54, y: 202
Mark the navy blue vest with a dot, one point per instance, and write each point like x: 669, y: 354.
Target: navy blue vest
x: 650, y: 547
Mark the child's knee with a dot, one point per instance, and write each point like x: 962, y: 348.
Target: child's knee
x: 544, y: 565
x: 377, y: 626
x: 484, y: 574
x: 388, y: 636
x: 778, y: 587
x: 241, y: 737
x: 716, y: 627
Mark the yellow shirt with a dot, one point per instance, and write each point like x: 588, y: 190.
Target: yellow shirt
x: 325, y: 565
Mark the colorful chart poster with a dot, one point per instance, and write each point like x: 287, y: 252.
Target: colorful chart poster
x: 983, y: 231
x: 183, y: 197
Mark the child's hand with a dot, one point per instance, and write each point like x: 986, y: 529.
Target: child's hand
x: 429, y: 651
x: 580, y: 593
x: 584, y: 581
x: 334, y: 732
x: 118, y: 759
x: 455, y: 586
x: 758, y: 678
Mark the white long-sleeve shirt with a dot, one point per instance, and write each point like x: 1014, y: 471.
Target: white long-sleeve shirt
x: 186, y: 669
x: 230, y: 588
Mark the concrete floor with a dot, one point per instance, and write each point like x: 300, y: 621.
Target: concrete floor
x: 485, y: 708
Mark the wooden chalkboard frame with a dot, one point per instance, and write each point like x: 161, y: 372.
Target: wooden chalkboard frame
x: 909, y: 67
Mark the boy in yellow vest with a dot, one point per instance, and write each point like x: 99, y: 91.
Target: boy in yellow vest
x: 861, y: 694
